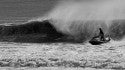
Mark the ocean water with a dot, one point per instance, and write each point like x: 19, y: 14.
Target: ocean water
x: 18, y: 11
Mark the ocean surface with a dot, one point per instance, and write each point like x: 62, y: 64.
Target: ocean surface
x: 16, y: 11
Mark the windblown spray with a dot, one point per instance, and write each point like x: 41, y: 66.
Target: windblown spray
x: 80, y: 19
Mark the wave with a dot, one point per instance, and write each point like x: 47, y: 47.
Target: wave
x: 34, y: 31
x: 52, y: 31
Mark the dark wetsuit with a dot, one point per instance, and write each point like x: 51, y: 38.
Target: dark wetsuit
x: 101, y: 35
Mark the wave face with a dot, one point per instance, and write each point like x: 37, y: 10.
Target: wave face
x: 117, y: 29
x: 35, y: 31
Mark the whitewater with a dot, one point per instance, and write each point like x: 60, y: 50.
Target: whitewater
x: 79, y: 20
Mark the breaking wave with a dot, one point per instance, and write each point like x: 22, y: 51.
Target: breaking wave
x: 76, y: 21
x: 80, y: 19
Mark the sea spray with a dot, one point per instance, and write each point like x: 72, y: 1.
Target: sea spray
x: 80, y: 19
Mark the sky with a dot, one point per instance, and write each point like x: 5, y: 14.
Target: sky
x: 12, y: 11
